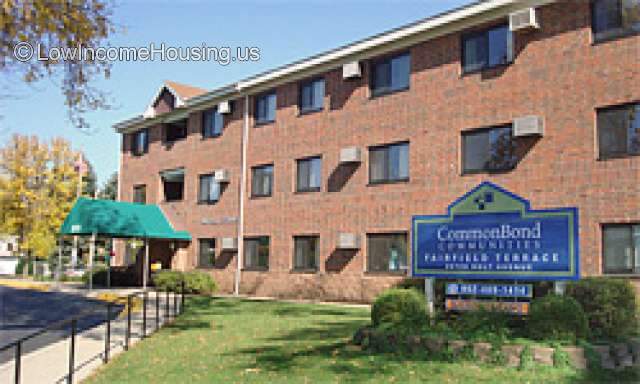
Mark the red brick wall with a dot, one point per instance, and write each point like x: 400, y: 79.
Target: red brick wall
x: 558, y: 73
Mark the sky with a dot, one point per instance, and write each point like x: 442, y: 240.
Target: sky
x: 283, y: 30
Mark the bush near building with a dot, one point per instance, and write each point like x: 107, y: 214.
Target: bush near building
x: 194, y: 281
x: 555, y: 317
x: 610, y: 305
x: 593, y: 310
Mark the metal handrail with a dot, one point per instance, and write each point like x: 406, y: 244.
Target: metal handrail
x: 73, y: 320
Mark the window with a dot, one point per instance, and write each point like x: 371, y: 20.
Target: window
x: 306, y: 252
x: 389, y: 163
x: 312, y: 96
x: 614, y: 18
x: 207, y: 252
x: 212, y: 123
x: 173, y: 184
x: 489, y: 150
x: 262, y: 181
x: 619, y: 131
x: 390, y: 74
x: 486, y: 49
x: 621, y: 248
x: 387, y: 252
x: 256, y: 253
x: 266, y: 108
x: 209, y: 191
x: 9, y: 247
x: 140, y: 194
x: 141, y: 142
x: 309, y: 174
x: 176, y: 131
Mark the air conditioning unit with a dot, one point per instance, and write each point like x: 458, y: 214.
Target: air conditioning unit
x: 221, y: 176
x: 524, y: 19
x: 348, y: 241
x: 229, y: 243
x: 224, y: 107
x: 528, y: 126
x: 350, y: 155
x: 351, y: 70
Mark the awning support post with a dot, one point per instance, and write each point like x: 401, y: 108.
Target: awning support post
x: 145, y: 267
x: 92, y: 253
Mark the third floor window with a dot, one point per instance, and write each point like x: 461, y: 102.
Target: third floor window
x: 390, y: 74
x: 312, y: 96
x: 265, y: 108
x: 212, y: 122
x: 486, y: 49
x: 613, y: 18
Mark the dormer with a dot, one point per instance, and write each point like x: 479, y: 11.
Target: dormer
x: 170, y: 96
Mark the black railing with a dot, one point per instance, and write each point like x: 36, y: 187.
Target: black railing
x: 72, y: 322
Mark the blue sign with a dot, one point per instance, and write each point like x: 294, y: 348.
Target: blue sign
x: 490, y: 233
x: 495, y: 290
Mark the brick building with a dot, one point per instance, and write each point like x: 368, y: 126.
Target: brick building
x: 340, y: 150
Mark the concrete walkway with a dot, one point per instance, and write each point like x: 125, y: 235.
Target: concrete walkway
x: 50, y: 364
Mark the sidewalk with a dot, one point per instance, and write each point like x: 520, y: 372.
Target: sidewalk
x: 50, y: 364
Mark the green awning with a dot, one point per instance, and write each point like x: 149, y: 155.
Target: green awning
x: 119, y: 219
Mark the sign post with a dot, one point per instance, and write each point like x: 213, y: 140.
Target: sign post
x: 429, y: 294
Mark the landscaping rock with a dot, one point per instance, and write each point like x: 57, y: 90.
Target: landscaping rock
x: 435, y: 344
x: 413, y: 342
x: 456, y: 346
x: 361, y: 335
x: 626, y: 361
x: 634, y: 345
x: 576, y: 357
x: 608, y: 363
x: 483, y: 351
x: 604, y: 351
x: 620, y: 350
x: 512, y: 354
x: 543, y: 355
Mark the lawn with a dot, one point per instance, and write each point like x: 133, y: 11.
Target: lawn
x: 243, y: 341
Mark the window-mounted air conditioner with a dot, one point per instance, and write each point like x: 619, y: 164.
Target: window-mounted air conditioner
x: 224, y: 107
x: 528, y: 126
x: 351, y: 70
x: 348, y: 241
x: 350, y: 155
x: 221, y: 175
x: 524, y: 19
x: 229, y: 243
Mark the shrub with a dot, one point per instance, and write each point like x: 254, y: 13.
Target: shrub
x: 610, y: 306
x: 400, y: 309
x: 168, y: 280
x: 119, y: 276
x: 554, y: 317
x: 482, y: 323
x: 99, y: 276
x: 194, y: 281
x: 199, y: 282
x: 22, y: 262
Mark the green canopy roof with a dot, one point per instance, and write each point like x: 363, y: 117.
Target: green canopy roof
x: 119, y: 219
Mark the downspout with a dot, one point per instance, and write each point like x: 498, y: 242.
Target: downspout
x: 243, y: 187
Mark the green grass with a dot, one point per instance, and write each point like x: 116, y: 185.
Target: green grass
x: 243, y: 341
